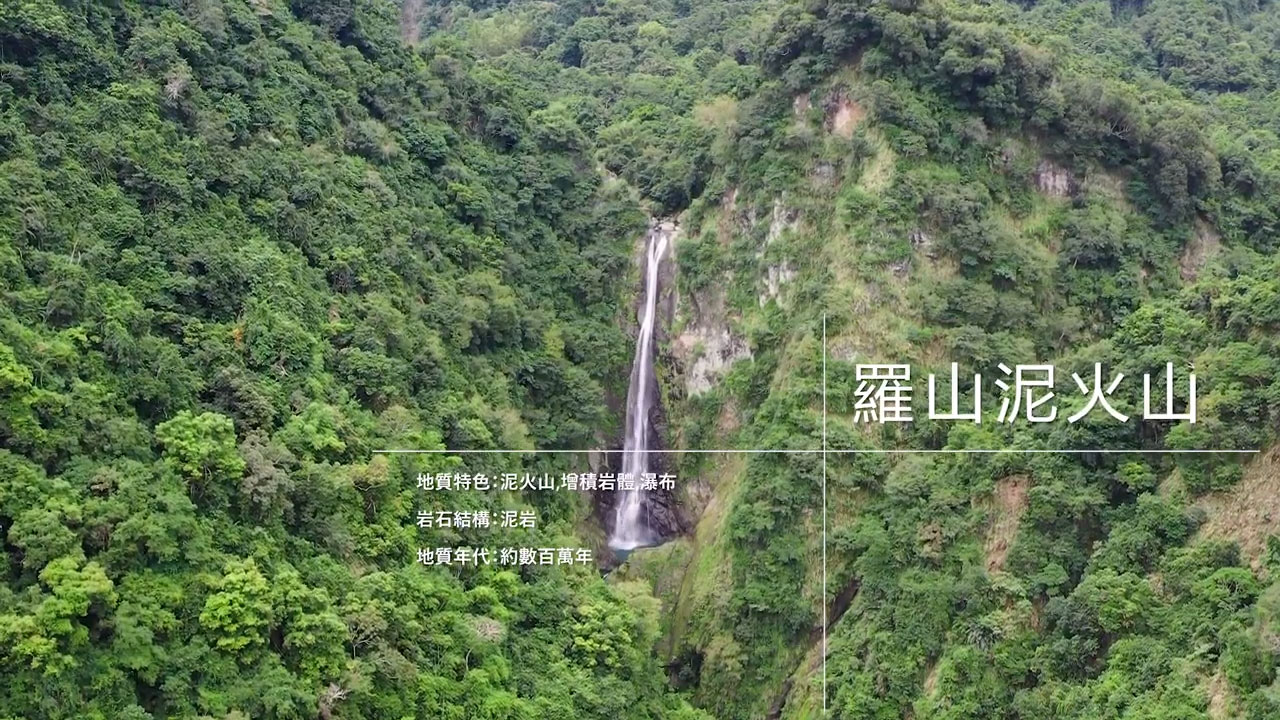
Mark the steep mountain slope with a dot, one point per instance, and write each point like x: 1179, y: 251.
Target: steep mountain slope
x: 242, y: 245
x: 247, y: 243
x: 954, y: 182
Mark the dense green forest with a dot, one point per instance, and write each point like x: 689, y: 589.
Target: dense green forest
x: 244, y: 245
x: 247, y: 243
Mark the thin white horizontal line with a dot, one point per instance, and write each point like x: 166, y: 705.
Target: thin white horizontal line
x: 769, y: 451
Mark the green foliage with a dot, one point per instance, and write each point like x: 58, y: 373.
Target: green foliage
x: 242, y: 245
x: 201, y: 447
x: 238, y: 613
x: 325, y: 227
x: 1075, y: 182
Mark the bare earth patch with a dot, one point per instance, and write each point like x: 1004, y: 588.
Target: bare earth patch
x: 1220, y: 697
x: 1008, y: 503
x: 846, y: 116
x: 931, y: 679
x: 411, y: 21
x: 1249, y: 512
x: 1200, y: 249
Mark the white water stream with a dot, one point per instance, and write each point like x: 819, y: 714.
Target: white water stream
x: 630, y: 528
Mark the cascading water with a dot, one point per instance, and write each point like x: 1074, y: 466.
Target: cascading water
x: 630, y: 529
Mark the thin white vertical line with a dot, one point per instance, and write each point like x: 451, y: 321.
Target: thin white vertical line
x: 824, y: 515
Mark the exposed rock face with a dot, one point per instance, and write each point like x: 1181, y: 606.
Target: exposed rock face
x: 1054, y: 180
x: 707, y: 346
x: 712, y: 349
x: 823, y: 173
x: 783, y: 218
x: 800, y: 104
x: 843, y: 114
x: 922, y: 242
x: 729, y: 207
x: 775, y: 276
x: 778, y: 274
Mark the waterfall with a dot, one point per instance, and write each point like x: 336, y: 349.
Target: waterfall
x: 630, y: 529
